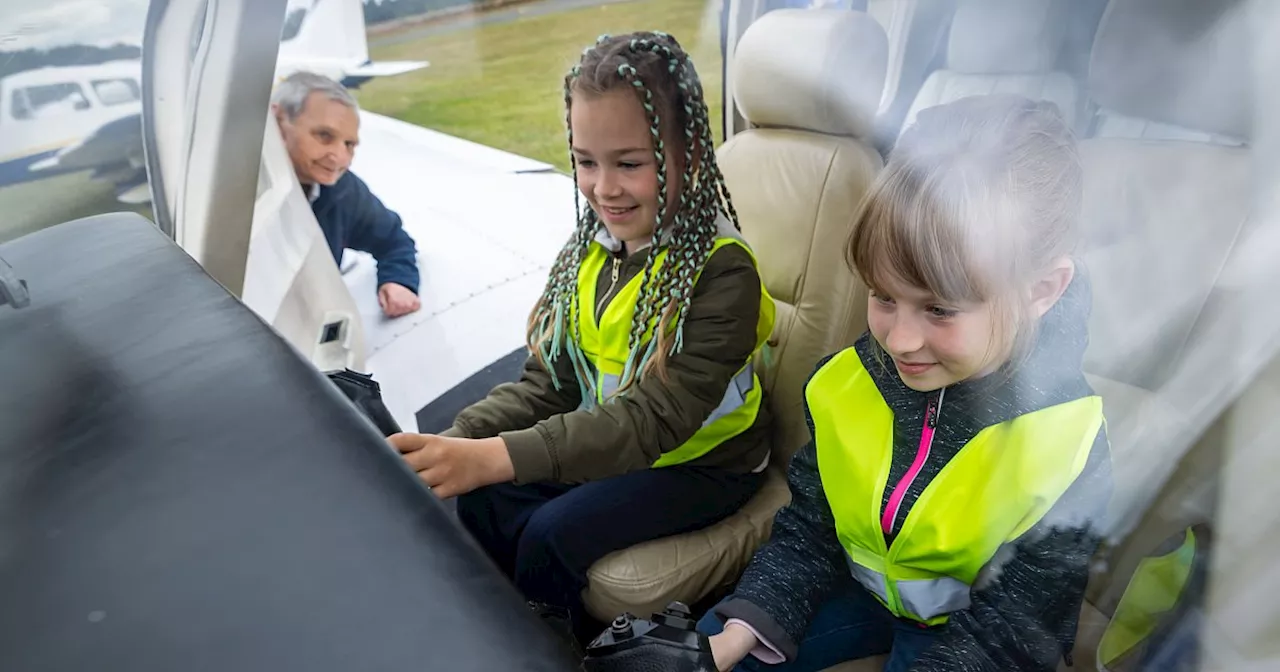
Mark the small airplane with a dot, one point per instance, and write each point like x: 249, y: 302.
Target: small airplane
x: 57, y: 119
x: 73, y: 118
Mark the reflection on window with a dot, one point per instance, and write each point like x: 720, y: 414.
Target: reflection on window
x: 48, y: 100
x: 117, y: 91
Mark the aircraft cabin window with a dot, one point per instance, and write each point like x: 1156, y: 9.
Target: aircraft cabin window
x: 71, y: 97
x: 48, y: 100
x: 117, y: 91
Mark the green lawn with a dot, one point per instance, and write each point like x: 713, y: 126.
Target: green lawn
x: 39, y: 204
x: 500, y: 85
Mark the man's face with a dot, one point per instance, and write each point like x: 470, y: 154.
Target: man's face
x: 321, y: 140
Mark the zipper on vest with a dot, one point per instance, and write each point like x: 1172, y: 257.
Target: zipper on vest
x: 931, y: 410
x: 613, y: 281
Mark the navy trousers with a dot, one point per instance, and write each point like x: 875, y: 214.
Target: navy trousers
x: 545, y: 536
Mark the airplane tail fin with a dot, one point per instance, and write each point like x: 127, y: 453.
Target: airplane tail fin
x: 328, y: 37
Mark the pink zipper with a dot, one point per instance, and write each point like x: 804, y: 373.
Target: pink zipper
x: 931, y: 411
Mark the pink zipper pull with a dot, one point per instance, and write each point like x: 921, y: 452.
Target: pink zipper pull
x: 931, y: 411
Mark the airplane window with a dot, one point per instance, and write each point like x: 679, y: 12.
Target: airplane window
x: 69, y: 83
x: 1162, y: 115
x: 117, y: 91
x: 50, y: 100
x: 470, y: 152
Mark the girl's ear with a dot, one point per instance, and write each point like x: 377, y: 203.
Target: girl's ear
x: 1050, y: 287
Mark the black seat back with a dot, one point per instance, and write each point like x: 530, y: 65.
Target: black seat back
x: 181, y: 490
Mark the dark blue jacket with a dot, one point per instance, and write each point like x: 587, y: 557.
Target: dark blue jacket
x: 352, y: 217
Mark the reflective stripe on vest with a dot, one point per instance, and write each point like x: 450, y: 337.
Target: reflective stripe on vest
x: 996, y: 487
x: 605, y: 345
x: 925, y: 598
x: 735, y: 395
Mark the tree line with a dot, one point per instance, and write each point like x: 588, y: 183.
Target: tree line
x: 76, y: 54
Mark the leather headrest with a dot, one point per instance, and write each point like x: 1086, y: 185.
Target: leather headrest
x: 1006, y: 36
x: 817, y: 70
x: 1181, y: 62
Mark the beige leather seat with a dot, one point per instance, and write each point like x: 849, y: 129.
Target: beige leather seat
x: 1168, y: 199
x: 1004, y: 46
x: 809, y: 82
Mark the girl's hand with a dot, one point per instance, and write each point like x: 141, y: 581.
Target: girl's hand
x: 731, y: 646
x: 453, y: 466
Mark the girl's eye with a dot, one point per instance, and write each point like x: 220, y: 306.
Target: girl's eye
x: 628, y: 166
x: 942, y: 313
x: 586, y: 163
x: 882, y: 299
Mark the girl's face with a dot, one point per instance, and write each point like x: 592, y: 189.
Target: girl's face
x: 617, y: 172
x: 935, y: 344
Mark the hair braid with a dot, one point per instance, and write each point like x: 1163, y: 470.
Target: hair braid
x: 694, y: 243
x: 646, y: 309
x: 655, y: 294
x: 695, y: 228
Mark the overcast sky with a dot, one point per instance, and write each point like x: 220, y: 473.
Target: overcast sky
x: 52, y: 23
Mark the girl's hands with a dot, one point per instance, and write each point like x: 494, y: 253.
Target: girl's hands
x: 455, y: 466
x: 731, y: 646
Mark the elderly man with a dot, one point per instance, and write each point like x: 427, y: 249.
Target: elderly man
x: 319, y: 120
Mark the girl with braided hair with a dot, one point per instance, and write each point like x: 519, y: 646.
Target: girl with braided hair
x: 638, y: 414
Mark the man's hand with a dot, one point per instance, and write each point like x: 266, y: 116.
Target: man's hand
x: 455, y: 466
x: 732, y: 646
x: 397, y: 300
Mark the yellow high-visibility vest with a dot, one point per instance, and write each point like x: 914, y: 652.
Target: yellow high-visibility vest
x: 604, y: 343
x: 995, y: 488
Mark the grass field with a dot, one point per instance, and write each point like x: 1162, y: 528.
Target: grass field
x: 497, y: 84
x: 500, y: 85
x: 39, y: 204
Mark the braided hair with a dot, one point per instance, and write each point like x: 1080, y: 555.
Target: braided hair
x: 660, y: 73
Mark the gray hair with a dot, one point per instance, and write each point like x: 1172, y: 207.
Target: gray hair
x: 291, y: 95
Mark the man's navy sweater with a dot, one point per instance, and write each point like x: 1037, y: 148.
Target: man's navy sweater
x: 352, y: 217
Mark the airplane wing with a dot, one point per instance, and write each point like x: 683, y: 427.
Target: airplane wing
x: 113, y: 151
x: 487, y: 225
x: 331, y: 40
x: 385, y: 68
x: 119, y: 141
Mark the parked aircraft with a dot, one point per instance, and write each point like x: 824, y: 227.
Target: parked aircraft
x: 64, y: 119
